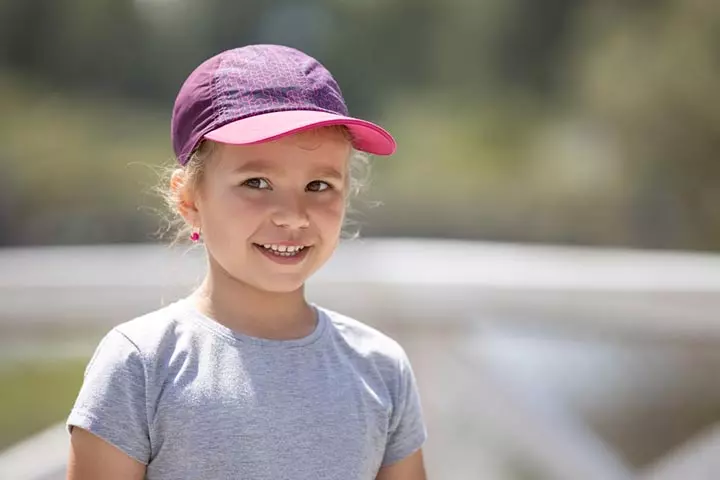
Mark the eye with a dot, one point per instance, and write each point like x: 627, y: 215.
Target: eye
x: 256, y: 183
x: 317, y: 186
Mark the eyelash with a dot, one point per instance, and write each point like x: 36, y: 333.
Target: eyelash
x: 247, y: 182
x: 328, y: 186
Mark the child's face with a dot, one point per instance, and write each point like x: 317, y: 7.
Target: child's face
x: 289, y: 192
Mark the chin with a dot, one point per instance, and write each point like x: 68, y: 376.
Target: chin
x: 281, y: 285
x: 277, y: 282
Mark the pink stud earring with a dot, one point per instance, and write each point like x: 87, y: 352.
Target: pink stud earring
x: 195, y: 236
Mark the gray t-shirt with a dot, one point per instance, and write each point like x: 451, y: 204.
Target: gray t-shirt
x: 193, y: 399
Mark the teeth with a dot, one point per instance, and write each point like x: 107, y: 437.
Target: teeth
x: 284, y: 250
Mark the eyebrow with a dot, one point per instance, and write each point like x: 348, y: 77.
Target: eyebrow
x: 254, y: 166
x: 263, y: 166
x: 329, y: 172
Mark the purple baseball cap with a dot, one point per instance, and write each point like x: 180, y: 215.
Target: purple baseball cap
x: 259, y: 93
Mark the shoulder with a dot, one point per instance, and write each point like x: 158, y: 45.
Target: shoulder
x: 366, y: 341
x: 156, y: 332
x: 378, y: 358
x: 144, y: 351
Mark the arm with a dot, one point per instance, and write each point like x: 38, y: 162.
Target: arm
x: 108, y: 423
x: 92, y: 457
x: 403, y: 458
x: 409, y: 468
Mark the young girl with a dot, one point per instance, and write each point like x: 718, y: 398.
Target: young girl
x: 244, y: 379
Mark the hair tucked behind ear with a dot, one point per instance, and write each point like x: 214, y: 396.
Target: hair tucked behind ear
x: 194, y: 172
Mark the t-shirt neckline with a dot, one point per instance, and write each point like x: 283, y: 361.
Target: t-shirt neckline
x: 187, y: 306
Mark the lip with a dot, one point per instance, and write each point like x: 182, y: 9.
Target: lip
x: 294, y: 260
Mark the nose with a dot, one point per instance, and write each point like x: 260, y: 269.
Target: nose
x: 290, y: 212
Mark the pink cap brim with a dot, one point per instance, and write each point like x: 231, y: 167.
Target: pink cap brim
x: 367, y: 137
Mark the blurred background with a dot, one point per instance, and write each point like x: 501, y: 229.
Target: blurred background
x: 568, y: 148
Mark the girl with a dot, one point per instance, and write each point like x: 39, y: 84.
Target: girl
x: 244, y: 379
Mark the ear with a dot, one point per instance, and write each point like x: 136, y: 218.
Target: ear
x: 185, y: 197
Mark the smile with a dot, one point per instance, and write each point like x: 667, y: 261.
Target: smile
x: 283, y: 250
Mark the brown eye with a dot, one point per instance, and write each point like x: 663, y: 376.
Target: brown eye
x: 317, y: 186
x: 257, y: 183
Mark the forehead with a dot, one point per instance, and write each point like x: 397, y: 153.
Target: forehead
x: 299, y: 152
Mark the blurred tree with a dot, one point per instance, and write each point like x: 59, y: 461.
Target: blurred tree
x: 573, y: 121
x: 142, y: 48
x: 25, y: 28
x: 650, y: 76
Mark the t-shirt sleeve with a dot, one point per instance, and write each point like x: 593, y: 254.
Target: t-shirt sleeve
x: 112, y: 400
x: 407, y: 432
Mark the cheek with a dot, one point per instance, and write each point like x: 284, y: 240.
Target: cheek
x: 329, y: 215
x: 230, y: 211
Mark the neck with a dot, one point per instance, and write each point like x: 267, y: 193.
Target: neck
x: 252, y: 311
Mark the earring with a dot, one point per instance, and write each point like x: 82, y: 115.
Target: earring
x: 195, y: 236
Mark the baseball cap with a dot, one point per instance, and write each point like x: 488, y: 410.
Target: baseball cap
x: 259, y: 93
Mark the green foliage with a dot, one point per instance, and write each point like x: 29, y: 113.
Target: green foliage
x: 651, y: 82
x: 562, y: 121
x: 76, y: 167
x: 36, y: 395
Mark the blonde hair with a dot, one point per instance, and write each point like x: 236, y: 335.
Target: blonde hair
x: 194, y: 170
